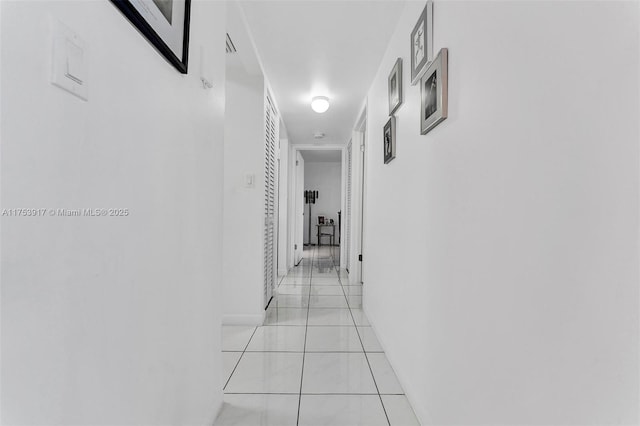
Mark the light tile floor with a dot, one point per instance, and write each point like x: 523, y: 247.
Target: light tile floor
x: 315, y: 361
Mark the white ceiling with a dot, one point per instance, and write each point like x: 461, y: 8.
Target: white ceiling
x: 321, y: 156
x: 320, y: 47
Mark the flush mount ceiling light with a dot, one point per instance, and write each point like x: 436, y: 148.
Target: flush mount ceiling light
x: 320, y: 104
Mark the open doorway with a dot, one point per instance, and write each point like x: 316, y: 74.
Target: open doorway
x: 316, y: 201
x: 322, y: 199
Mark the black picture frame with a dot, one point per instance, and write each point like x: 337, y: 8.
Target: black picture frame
x: 136, y: 18
x: 389, y: 140
x: 422, y: 43
x: 434, y: 92
x: 395, y: 87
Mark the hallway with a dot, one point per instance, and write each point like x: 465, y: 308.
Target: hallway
x: 316, y: 361
x: 477, y: 161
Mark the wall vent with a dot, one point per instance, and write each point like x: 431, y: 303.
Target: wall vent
x: 231, y: 48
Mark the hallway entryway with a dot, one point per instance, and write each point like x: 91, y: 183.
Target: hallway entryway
x: 316, y: 361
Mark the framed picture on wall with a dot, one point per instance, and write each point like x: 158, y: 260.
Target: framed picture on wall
x: 422, y: 43
x: 395, y: 87
x: 434, y: 92
x: 389, y: 141
x: 165, y: 23
x: 321, y: 220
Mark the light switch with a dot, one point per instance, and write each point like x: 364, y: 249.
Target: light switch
x: 75, y: 63
x: 69, y: 67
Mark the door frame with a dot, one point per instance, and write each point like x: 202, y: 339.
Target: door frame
x: 284, y: 179
x: 345, y: 208
x: 358, y: 197
x: 295, y: 149
x: 298, y: 233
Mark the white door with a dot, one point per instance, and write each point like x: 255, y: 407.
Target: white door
x: 347, y: 214
x: 358, y: 197
x: 362, y: 181
x: 299, y: 206
x: 271, y: 135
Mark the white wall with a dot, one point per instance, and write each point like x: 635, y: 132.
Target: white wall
x: 326, y: 178
x: 111, y: 320
x: 244, y: 155
x: 501, y: 252
x: 243, y: 206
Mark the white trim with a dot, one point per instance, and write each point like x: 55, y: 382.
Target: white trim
x: 218, y: 408
x: 291, y: 212
x: 346, y: 235
x: 244, y: 319
x: 283, y: 205
x: 343, y: 204
x: 356, y: 209
x: 357, y: 196
x: 295, y: 200
x: 362, y: 118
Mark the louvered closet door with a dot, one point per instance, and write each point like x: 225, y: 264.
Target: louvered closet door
x: 347, y: 227
x: 271, y: 134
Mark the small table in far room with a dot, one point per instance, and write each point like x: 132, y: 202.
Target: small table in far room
x: 320, y: 234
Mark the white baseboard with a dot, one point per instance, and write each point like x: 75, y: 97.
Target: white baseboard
x: 249, y: 319
x: 217, y: 410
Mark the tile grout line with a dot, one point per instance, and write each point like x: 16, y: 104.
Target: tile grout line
x: 313, y: 393
x: 311, y: 352
x: 304, y: 348
x: 241, y: 355
x: 317, y: 259
x: 375, y: 382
